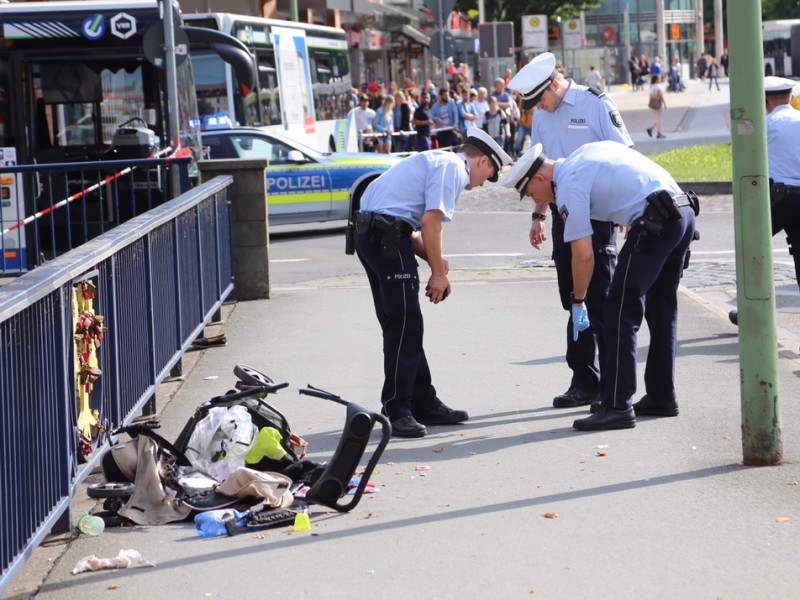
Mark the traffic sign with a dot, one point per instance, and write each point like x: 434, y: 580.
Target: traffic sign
x: 433, y: 6
x: 449, y: 44
x: 496, y: 39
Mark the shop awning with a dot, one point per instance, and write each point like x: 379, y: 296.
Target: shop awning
x: 415, y: 35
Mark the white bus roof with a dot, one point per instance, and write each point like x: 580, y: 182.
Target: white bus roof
x: 82, y: 5
x: 228, y: 19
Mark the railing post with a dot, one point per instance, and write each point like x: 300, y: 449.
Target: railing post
x: 250, y: 223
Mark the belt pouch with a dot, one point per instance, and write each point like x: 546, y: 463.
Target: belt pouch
x: 777, y: 192
x: 363, y: 222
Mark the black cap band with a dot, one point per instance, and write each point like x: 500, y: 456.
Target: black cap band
x: 523, y: 181
x: 488, y: 151
x: 532, y: 97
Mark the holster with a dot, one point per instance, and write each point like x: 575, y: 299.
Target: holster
x: 661, y: 209
x: 664, y: 205
x: 390, y: 235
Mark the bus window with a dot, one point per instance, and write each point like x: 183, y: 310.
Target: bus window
x: 212, y: 95
x: 6, y: 137
x: 85, y: 112
x: 268, y: 92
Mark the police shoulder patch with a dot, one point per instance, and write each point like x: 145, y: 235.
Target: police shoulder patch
x: 616, y: 118
x: 563, y: 213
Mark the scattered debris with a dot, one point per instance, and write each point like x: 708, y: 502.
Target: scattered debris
x: 422, y: 468
x: 601, y: 453
x: 781, y: 519
x: 550, y: 515
x: 123, y: 560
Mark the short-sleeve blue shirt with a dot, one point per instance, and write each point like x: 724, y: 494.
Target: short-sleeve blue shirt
x: 419, y: 183
x: 581, y: 117
x: 606, y: 181
x: 783, y: 134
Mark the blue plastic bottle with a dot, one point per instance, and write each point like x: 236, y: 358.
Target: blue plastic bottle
x: 211, y: 523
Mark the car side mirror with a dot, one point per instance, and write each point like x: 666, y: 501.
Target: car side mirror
x: 295, y: 156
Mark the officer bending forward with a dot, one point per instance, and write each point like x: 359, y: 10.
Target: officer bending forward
x: 606, y: 181
x: 401, y: 216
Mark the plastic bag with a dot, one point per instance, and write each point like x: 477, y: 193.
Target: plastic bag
x: 123, y: 560
x: 220, y: 441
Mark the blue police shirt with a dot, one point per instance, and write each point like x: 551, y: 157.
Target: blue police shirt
x: 419, y: 183
x: 580, y: 118
x: 606, y: 181
x: 783, y: 133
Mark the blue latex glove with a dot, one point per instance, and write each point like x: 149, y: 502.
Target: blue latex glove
x: 580, y: 320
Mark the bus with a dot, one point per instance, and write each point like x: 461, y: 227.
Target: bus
x: 303, y: 87
x: 73, y: 74
x: 781, y: 39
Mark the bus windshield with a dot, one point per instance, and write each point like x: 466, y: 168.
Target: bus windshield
x: 303, y: 86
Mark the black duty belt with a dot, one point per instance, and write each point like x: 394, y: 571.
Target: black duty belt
x: 367, y: 221
x: 778, y: 190
x: 661, y: 208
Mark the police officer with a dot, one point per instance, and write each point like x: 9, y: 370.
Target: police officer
x: 611, y: 183
x: 783, y: 133
x: 401, y: 216
x: 571, y: 115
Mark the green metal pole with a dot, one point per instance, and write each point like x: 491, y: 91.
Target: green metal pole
x: 758, y: 352
x: 294, y: 15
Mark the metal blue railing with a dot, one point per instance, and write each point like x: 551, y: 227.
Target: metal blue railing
x: 49, y: 209
x: 160, y: 278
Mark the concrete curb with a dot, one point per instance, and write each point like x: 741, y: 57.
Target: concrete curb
x: 708, y: 188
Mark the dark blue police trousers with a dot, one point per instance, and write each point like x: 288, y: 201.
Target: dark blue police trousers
x: 407, y: 388
x: 785, y: 215
x: 585, y: 356
x: 645, y: 283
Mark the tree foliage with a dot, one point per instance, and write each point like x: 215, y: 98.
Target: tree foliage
x: 771, y: 10
x: 780, y: 9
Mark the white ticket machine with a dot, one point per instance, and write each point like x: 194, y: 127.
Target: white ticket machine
x: 13, y: 257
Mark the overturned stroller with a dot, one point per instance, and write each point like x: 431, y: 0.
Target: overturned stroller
x: 236, y: 449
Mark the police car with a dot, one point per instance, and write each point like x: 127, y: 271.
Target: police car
x: 303, y: 185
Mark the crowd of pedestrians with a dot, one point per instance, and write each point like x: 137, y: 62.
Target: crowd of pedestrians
x: 411, y: 118
x: 398, y: 120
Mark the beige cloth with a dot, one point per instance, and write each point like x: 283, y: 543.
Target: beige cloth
x: 248, y: 483
x: 151, y: 503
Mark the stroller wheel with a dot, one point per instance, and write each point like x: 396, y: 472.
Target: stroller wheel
x: 112, y: 505
x: 112, y: 519
x: 110, y: 490
x: 251, y: 376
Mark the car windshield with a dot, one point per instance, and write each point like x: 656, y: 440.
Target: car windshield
x: 307, y: 150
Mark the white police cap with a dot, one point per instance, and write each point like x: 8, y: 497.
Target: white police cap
x: 533, y: 79
x: 778, y: 85
x: 484, y: 142
x: 524, y: 169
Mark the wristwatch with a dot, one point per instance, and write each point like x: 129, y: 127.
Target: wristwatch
x: 537, y: 216
x: 575, y: 300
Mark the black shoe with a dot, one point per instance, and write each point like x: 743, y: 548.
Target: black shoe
x: 407, y: 427
x: 574, y: 397
x: 607, y: 419
x: 733, y: 316
x: 650, y: 132
x: 442, y: 415
x: 661, y: 135
x: 210, y: 342
x: 651, y: 407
